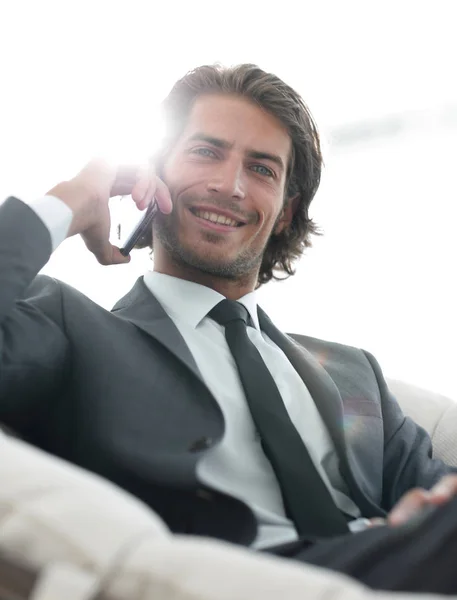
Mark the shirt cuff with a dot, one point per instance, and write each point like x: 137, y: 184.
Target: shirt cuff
x: 56, y: 216
x: 359, y: 525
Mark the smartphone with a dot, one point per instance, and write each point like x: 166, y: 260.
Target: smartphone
x: 139, y: 230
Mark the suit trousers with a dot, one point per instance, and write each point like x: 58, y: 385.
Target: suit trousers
x: 419, y: 556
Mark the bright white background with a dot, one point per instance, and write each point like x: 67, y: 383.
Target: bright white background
x: 79, y: 78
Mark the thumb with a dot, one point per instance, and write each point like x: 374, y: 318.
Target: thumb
x: 117, y: 258
x: 105, y: 252
x: 111, y: 255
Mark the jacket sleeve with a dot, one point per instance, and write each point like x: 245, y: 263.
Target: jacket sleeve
x: 408, y: 461
x: 33, y: 346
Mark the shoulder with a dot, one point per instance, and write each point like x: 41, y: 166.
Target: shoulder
x: 319, y: 345
x: 52, y: 295
x: 44, y: 285
x: 336, y: 357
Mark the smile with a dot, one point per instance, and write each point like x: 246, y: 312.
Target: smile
x: 216, y: 218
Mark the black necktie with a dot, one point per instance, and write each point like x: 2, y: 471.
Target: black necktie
x: 306, y: 497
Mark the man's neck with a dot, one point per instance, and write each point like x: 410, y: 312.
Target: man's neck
x: 229, y: 288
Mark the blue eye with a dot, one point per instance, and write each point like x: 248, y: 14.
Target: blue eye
x: 262, y: 170
x: 204, y: 152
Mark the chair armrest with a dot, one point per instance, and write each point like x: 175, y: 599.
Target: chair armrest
x: 65, y: 533
x: 436, y: 413
x: 49, y: 509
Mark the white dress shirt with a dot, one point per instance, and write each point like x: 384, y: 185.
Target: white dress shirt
x: 238, y: 465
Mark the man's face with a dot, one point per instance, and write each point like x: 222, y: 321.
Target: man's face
x: 226, y: 175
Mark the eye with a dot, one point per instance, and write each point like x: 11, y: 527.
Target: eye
x: 203, y: 151
x: 263, y: 170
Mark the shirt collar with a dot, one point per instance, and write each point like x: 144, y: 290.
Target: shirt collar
x: 189, y: 301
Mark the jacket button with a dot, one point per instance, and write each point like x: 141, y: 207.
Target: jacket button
x: 202, y: 443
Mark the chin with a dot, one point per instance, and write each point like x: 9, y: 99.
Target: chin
x: 218, y: 265
x: 214, y: 266
x: 206, y: 255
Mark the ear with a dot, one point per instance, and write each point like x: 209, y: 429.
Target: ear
x: 287, y: 214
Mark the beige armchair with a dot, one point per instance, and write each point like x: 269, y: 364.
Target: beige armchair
x: 66, y: 534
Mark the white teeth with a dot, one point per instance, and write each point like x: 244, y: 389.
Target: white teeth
x: 214, y: 218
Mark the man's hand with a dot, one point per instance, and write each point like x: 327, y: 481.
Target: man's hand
x: 88, y: 193
x: 418, y: 499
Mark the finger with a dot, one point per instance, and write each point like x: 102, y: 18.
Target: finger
x: 148, y: 189
x: 376, y: 522
x: 144, y: 190
x: 105, y: 253
x: 127, y: 178
x: 163, y: 197
x: 445, y: 489
x: 112, y: 256
x: 408, y: 506
x: 117, y: 258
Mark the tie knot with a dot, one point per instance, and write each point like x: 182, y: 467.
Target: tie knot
x: 227, y: 311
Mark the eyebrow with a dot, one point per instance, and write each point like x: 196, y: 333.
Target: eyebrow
x: 219, y: 143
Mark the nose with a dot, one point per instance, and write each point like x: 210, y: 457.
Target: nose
x: 228, y: 178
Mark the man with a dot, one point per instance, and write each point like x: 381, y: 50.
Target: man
x: 222, y: 424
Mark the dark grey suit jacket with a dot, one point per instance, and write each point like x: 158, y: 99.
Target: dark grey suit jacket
x: 120, y: 394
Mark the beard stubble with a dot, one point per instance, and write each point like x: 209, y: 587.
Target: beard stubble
x: 165, y: 229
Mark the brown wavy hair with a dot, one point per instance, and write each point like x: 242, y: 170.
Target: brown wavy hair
x: 305, y: 163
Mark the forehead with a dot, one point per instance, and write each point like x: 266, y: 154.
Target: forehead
x: 239, y: 122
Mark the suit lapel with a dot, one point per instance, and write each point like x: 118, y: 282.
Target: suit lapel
x: 141, y: 308
x: 320, y: 385
x: 328, y: 401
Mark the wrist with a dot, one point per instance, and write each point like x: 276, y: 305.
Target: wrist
x: 77, y: 196
x: 73, y: 193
